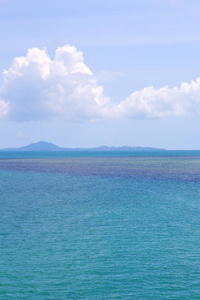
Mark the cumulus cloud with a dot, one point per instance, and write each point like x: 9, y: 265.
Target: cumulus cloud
x: 152, y: 103
x: 37, y: 87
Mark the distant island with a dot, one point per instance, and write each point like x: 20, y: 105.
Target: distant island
x: 44, y: 146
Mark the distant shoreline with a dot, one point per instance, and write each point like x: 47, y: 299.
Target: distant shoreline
x: 49, y: 147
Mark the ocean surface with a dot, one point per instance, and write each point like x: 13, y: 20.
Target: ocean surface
x: 100, y: 225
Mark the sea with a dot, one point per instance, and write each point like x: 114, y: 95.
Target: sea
x: 100, y: 225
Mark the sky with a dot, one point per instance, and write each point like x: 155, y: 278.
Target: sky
x: 92, y: 73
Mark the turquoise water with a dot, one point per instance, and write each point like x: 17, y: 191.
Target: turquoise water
x: 100, y: 226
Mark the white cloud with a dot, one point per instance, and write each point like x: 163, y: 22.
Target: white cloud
x: 4, y: 106
x: 37, y: 87
x: 152, y: 103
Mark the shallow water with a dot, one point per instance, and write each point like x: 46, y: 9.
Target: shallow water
x: 123, y: 227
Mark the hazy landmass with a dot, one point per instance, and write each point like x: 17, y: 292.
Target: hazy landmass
x: 45, y: 146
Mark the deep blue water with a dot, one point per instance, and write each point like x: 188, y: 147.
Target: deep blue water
x: 60, y: 154
x: 100, y: 226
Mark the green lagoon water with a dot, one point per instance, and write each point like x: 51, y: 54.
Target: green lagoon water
x: 91, y: 225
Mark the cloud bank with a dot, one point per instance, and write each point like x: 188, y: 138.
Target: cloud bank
x: 36, y: 87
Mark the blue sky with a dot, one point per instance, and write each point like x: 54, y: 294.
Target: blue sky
x: 90, y: 73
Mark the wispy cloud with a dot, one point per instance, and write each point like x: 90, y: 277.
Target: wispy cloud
x: 20, y: 134
x: 104, y: 75
x: 37, y: 87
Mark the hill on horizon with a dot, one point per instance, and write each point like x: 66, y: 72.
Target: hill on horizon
x: 45, y: 146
